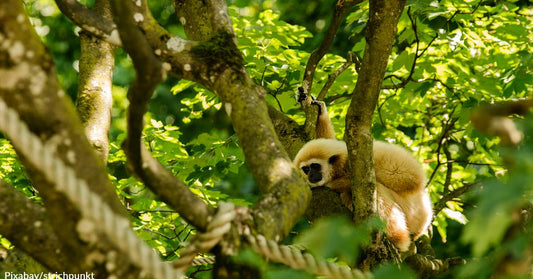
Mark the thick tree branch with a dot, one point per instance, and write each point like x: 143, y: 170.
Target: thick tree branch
x: 198, y: 27
x: 325, y: 202
x: 95, y: 100
x: 380, y: 33
x: 169, y: 48
x: 32, y: 89
x: 19, y: 214
x: 149, y: 73
x: 285, y: 193
x: 291, y: 135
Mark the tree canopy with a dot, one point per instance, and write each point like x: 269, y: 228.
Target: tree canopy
x: 168, y: 109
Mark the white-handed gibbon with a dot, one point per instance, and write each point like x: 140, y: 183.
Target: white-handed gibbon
x: 401, y: 196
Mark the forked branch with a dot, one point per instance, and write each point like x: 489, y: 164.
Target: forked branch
x: 149, y: 73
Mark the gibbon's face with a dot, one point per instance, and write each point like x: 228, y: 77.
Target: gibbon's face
x: 317, y: 171
x: 321, y: 160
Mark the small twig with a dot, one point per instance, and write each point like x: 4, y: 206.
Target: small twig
x: 381, y: 106
x: 275, y: 93
x: 452, y: 195
x: 418, y: 52
x: 341, y: 9
x: 350, y: 59
x: 443, y: 138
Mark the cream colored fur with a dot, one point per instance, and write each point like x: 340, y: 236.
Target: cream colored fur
x: 402, y: 200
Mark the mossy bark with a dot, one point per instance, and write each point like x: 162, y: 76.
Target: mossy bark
x: 380, y: 33
x: 97, y: 61
x: 285, y: 194
x: 33, y: 90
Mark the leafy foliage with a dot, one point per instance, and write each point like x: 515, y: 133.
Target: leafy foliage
x: 338, y: 237
x: 449, y: 58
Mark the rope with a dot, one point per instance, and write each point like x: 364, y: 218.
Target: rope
x: 203, y: 261
x: 203, y: 242
x: 92, y: 207
x: 295, y: 258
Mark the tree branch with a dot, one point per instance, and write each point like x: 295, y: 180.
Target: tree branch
x: 149, y: 73
x: 291, y: 135
x: 95, y: 100
x: 341, y: 9
x: 19, y: 214
x: 380, y: 33
x: 325, y: 202
x: 418, y: 52
x: 32, y: 89
x: 350, y: 59
x: 89, y: 20
x: 285, y: 194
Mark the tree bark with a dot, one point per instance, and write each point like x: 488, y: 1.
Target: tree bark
x: 285, y: 194
x: 31, y: 88
x: 19, y: 214
x: 95, y: 100
x: 380, y: 32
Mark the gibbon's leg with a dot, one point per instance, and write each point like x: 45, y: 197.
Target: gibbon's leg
x: 417, y: 210
x: 324, y: 127
x: 395, y: 224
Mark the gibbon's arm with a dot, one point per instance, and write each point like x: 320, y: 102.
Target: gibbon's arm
x: 324, y: 127
x: 342, y: 186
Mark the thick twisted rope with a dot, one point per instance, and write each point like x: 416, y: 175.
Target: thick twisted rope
x: 203, y: 242
x: 92, y: 207
x: 295, y: 258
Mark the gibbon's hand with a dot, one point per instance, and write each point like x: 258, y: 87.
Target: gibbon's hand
x: 320, y: 104
x: 302, y: 96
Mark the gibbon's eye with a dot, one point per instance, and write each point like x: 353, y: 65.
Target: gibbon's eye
x: 306, y: 169
x: 316, y: 167
x: 333, y: 159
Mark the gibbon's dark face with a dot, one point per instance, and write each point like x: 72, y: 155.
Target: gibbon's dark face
x: 313, y: 172
x: 317, y: 171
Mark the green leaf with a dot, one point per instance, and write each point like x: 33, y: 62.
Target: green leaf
x: 394, y: 271
x: 338, y: 237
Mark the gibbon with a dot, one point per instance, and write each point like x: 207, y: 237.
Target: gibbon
x: 402, y: 200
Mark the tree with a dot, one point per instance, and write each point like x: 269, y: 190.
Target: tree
x: 416, y: 73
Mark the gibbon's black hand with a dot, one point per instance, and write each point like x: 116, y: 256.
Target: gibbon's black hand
x: 301, y: 94
x: 319, y: 104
